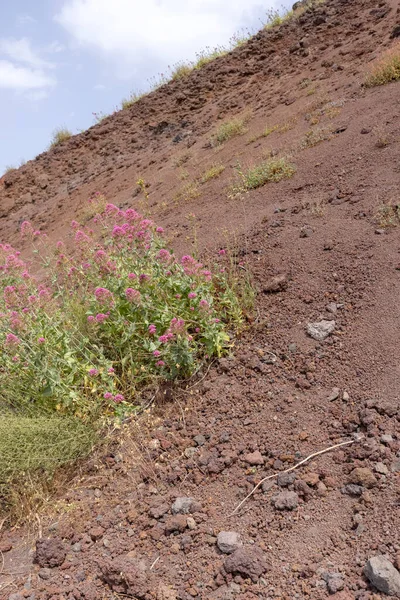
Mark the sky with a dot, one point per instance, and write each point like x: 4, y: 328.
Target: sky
x: 61, y: 61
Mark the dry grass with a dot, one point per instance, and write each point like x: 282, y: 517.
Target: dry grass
x: 386, y: 69
x: 230, y: 129
x: 131, y: 99
x: 212, y: 172
x: 382, y: 138
x: 314, y: 137
x: 260, y: 174
x: 181, y: 159
x: 188, y: 192
x: 60, y: 135
x: 388, y: 215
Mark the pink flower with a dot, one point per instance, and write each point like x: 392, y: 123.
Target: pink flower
x: 178, y: 296
x: 91, y: 318
x: 60, y: 244
x: 101, y: 317
x: 108, y: 396
x: 144, y: 277
x: 216, y: 320
x: 111, y: 209
x: 36, y: 233
x: 81, y: 237
x: 203, y: 304
x: 93, y: 372
x: 192, y: 295
x: 12, y: 340
x: 26, y: 228
x: 156, y: 353
x: 118, y: 398
x: 160, y: 230
x: 177, y: 325
x: 103, y: 296
x: 160, y: 363
x: 221, y: 252
x: 41, y: 340
x: 131, y: 276
x: 164, y: 339
x: 164, y: 255
x: 132, y: 295
x: 118, y: 231
x: 74, y: 224
x: 207, y: 275
x: 152, y: 329
x: 111, y: 371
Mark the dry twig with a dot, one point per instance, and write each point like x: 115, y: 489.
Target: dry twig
x: 292, y: 469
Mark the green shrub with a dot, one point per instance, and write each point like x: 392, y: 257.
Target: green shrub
x: 119, y: 313
x: 229, y: 129
x: 269, y: 171
x: 386, y: 69
x: 62, y: 134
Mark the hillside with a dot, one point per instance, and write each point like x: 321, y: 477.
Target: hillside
x: 322, y: 244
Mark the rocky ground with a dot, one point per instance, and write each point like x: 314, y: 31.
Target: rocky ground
x: 318, y: 364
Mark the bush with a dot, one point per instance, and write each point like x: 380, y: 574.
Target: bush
x: 386, y: 69
x: 119, y: 313
x: 229, y: 129
x: 60, y: 135
x: 269, y: 171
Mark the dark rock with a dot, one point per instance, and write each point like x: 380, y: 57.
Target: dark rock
x: 352, y: 490
x: 286, y: 479
x: 306, y: 231
x: 50, y: 552
x: 248, y: 562
x: 199, y: 440
x: 395, y: 32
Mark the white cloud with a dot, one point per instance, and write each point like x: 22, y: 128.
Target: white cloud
x: 21, y: 78
x: 23, y: 70
x: 21, y: 51
x: 133, y: 33
x: 99, y: 87
x: 25, y: 19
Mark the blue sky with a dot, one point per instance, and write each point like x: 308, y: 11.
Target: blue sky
x: 63, y: 60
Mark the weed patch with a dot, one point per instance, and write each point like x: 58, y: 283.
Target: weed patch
x: 188, y: 192
x: 269, y: 171
x: 62, y: 134
x: 314, y: 137
x: 388, y: 215
x: 212, y: 173
x: 386, y: 69
x: 229, y: 130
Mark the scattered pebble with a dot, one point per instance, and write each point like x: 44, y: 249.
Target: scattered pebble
x: 228, y: 541
x: 320, y: 330
x: 383, y: 575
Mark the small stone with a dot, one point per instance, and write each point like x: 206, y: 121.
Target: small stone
x: 44, y: 573
x: 191, y: 523
x: 395, y: 466
x: 386, y: 439
x: 382, y: 574
x: 248, y: 562
x: 5, y: 547
x: 365, y: 130
x: 334, y: 395
x: 334, y: 582
x: 254, y: 458
x: 96, y: 533
x: 381, y: 468
x: 311, y: 479
x: 158, y: 511
x: 306, y: 231
x: 286, y: 501
x: 345, y: 397
x: 286, y: 479
x: 320, y: 330
x: 332, y: 307
x: 50, y: 552
x: 321, y: 489
x: 228, y: 541
x: 154, y: 444
x: 303, y: 436
x: 352, y: 490
x: 292, y: 348
x: 276, y: 284
x: 184, y: 506
x: 199, y: 440
x: 175, y: 523
x: 363, y: 476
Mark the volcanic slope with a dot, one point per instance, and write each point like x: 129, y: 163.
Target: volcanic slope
x: 325, y: 231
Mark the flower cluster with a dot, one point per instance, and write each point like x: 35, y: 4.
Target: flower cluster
x: 115, y: 313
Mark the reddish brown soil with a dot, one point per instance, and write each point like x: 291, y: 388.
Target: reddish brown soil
x: 320, y: 229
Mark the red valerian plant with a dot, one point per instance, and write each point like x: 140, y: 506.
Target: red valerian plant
x: 118, y: 313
